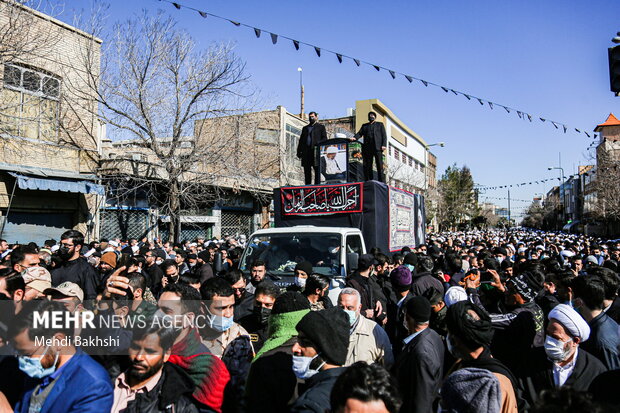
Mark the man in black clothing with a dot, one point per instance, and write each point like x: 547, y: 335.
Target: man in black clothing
x: 423, y: 279
x: 244, y: 300
x: 154, y: 272
x: 419, y: 368
x: 318, y: 356
x: 256, y: 322
x: 372, y: 298
x: 75, y: 268
x: 375, y: 142
x: 312, y: 135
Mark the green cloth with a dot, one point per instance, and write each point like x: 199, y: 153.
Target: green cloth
x: 281, y: 329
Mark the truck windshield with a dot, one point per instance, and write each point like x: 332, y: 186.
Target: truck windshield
x: 282, y: 252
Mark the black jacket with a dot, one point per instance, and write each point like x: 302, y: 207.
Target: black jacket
x: 78, y: 271
x: 370, y: 292
x: 536, y: 374
x: 418, y: 371
x: 318, y: 389
x: 171, y: 394
x: 305, y: 152
x: 374, y: 136
x: 244, y: 307
x: 271, y: 382
x: 155, y: 274
x: 424, y: 281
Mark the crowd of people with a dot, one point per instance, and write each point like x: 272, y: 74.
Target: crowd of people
x: 480, y: 321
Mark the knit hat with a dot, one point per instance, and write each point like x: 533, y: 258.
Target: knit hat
x: 109, y: 258
x: 473, y: 331
x: 290, y: 301
x: 471, y: 390
x: 454, y: 295
x: 401, y: 276
x: 281, y: 329
x: 328, y: 330
x: 527, y: 284
x: 419, y: 308
x: 571, y: 320
x: 304, y: 266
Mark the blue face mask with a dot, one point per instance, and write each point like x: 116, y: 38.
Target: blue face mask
x: 220, y: 323
x: 33, y: 368
x: 352, y: 316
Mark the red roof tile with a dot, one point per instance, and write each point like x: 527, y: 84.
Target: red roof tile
x: 611, y: 121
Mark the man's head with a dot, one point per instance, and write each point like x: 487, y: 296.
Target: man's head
x: 220, y: 299
x: 3, y: 245
x: 171, y: 270
x: 565, y: 331
x: 316, y: 284
x: 313, y: 117
x: 401, y: 279
x: 237, y: 281
x: 350, y: 301
x: 36, y: 359
x: 372, y: 116
x: 331, y: 152
x: 523, y: 288
x: 365, y: 262
x: 180, y: 300
x: 149, y: 350
x: 257, y: 271
x: 469, y: 329
x: 417, y: 314
x: 24, y: 257
x: 264, y: 299
x: 37, y: 280
x: 71, y: 243
x: 325, y: 334
x: 365, y: 388
x: 68, y: 293
x: 589, y: 292
x: 107, y: 263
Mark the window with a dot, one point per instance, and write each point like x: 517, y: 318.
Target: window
x: 29, y: 102
x: 292, y: 139
x: 354, y: 244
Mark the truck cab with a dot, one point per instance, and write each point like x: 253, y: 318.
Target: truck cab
x: 332, y: 251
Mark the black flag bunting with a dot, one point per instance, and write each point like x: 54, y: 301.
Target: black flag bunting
x: 540, y: 181
x: 393, y: 73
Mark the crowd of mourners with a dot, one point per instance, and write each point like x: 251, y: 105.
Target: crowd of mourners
x: 479, y: 321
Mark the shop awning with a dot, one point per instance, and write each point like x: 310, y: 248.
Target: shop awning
x: 59, y: 185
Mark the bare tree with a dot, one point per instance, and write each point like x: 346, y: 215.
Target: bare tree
x: 178, y: 106
x: 606, y: 205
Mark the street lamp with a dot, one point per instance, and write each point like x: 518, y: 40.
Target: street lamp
x: 441, y: 145
x: 301, y: 89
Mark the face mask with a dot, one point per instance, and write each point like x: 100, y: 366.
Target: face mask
x: 159, y: 262
x: 410, y: 267
x: 333, y: 250
x: 301, y: 367
x: 300, y: 282
x: 352, y: 316
x: 499, y: 259
x: 64, y: 253
x: 33, y: 368
x: 555, y: 349
x: 220, y: 323
x: 262, y: 314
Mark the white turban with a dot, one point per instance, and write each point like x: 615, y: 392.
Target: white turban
x: 571, y: 320
x: 454, y: 295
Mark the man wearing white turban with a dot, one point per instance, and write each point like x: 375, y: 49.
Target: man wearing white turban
x: 561, y: 362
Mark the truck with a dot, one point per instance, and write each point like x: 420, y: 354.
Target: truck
x: 331, y: 226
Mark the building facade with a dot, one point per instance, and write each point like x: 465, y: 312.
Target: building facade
x: 48, y: 154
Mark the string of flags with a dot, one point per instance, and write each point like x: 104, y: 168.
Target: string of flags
x: 540, y: 181
x: 506, y: 198
x: 320, y: 51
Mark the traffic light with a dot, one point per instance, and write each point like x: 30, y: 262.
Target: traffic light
x: 614, y: 68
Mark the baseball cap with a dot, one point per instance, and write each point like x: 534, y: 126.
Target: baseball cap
x: 37, y: 277
x: 68, y: 289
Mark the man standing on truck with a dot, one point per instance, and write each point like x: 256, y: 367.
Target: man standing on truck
x: 311, y: 135
x: 375, y: 142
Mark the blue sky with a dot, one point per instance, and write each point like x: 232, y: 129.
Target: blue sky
x: 547, y: 58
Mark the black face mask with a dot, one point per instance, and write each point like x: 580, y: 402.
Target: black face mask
x: 64, y: 253
x: 262, y: 314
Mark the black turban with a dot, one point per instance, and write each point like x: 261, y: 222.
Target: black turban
x: 473, y: 333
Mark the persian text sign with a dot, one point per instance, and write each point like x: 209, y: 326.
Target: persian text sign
x: 323, y: 199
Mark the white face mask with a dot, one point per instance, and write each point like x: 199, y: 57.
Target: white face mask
x: 301, y: 367
x: 556, y: 349
x: 500, y: 259
x: 300, y: 282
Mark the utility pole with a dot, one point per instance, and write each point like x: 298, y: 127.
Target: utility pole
x: 509, y: 208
